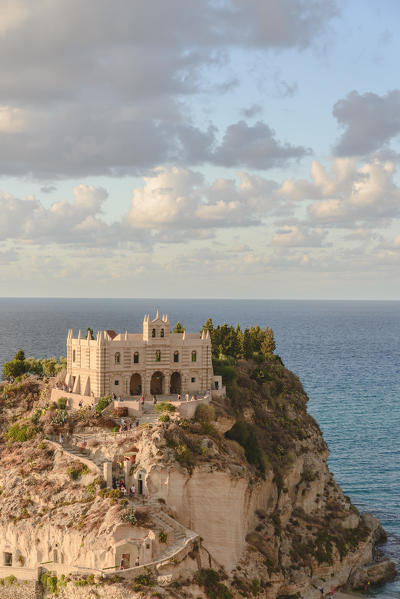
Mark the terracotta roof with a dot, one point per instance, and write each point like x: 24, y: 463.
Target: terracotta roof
x: 111, y: 333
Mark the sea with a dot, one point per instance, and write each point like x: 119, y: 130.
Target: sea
x: 346, y: 353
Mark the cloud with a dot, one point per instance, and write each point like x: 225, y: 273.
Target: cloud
x: 370, y: 121
x: 64, y: 222
x: 299, y: 236
x: 48, y: 188
x: 180, y: 199
x: 255, y: 147
x: 102, y: 91
x: 348, y: 196
x: 251, y: 111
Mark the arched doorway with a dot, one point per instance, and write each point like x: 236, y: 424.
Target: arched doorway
x: 175, y: 385
x: 136, y: 384
x: 156, y: 383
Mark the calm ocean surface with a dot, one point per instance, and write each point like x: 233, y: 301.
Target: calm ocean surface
x: 347, y: 355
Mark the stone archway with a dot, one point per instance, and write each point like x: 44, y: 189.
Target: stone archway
x: 135, y: 387
x: 176, y: 383
x: 157, y: 383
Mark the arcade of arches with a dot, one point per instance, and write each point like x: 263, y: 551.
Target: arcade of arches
x: 156, y: 384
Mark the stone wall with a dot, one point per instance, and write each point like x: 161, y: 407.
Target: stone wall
x: 73, y: 398
x: 21, y: 590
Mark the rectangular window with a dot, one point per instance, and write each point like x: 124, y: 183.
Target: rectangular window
x: 136, y: 358
x: 7, y: 558
x: 158, y: 356
x: 193, y: 379
x: 116, y: 383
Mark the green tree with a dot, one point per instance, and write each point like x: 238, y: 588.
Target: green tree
x: 20, y: 355
x: 178, y: 328
x: 268, y: 345
x: 208, y: 325
x: 13, y: 368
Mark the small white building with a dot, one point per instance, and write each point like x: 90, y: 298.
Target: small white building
x: 154, y: 362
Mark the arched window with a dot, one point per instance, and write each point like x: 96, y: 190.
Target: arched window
x: 162, y: 333
x: 136, y: 357
x: 73, y: 355
x: 153, y: 333
x: 194, y: 356
x: 176, y: 356
x: 117, y: 358
x: 158, y: 356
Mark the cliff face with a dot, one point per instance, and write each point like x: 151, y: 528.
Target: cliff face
x: 249, y: 475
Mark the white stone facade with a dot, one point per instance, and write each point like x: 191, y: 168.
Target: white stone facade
x: 154, y: 362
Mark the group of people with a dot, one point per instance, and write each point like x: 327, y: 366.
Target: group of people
x: 120, y: 485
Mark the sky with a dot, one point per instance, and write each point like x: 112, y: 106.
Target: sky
x: 200, y: 148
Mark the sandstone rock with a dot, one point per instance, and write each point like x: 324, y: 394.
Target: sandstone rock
x: 374, y: 573
x: 377, y: 533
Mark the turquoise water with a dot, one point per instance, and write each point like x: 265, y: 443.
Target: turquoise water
x: 347, y: 355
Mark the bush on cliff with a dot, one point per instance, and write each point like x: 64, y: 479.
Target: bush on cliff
x: 243, y: 433
x: 19, y: 433
x: 210, y: 581
x: 102, y: 404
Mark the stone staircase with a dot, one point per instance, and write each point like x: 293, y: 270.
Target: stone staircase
x: 181, y: 534
x: 80, y: 454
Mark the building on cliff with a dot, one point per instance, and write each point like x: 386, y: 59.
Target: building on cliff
x: 156, y: 361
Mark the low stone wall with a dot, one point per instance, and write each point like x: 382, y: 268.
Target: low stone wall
x: 132, y: 405
x: 73, y: 399
x: 187, y: 409
x: 20, y: 573
x: 179, y: 555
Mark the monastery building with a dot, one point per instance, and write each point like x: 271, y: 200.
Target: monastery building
x: 154, y: 362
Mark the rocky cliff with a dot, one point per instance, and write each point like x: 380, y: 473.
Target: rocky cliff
x: 248, y: 475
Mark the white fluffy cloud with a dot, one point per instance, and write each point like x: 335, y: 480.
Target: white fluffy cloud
x: 28, y: 221
x: 349, y: 195
x: 178, y: 198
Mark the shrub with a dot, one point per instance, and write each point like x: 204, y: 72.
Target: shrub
x: 102, y: 404
x: 19, y: 433
x: 244, y: 434
x: 164, y: 418
x: 62, y: 403
x: 165, y: 406
x: 9, y: 580
x: 129, y: 516
x: 204, y: 413
x: 60, y: 417
x: 144, y: 580
x: 210, y: 581
x: 184, y: 455
x: 162, y: 536
x: 76, y: 471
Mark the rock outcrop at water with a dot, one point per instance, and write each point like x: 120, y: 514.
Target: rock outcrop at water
x: 244, y: 491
